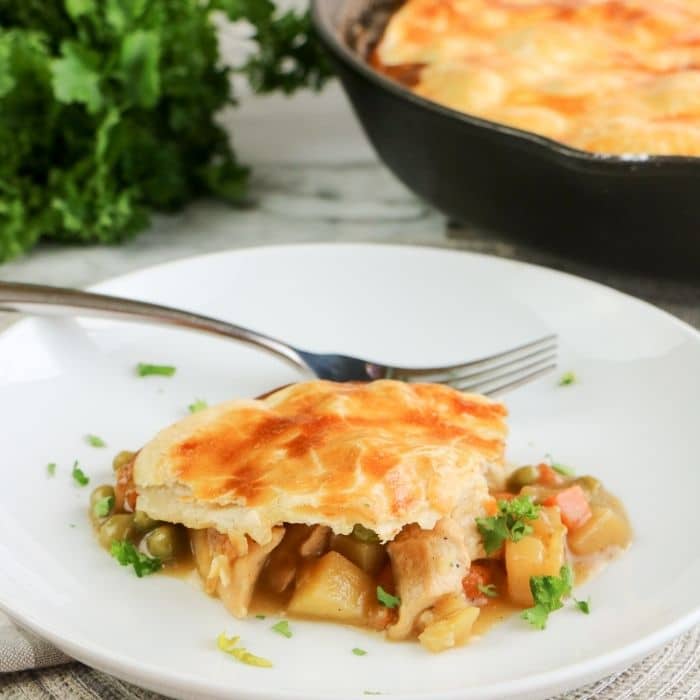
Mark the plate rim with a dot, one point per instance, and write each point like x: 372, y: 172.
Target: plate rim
x: 569, y: 676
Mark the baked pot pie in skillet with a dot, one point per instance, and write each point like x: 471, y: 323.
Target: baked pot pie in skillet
x: 603, y: 76
x: 383, y: 505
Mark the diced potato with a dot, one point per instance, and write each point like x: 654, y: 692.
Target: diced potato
x: 605, y: 528
x: 369, y: 556
x: 450, y: 631
x: 540, y: 554
x: 448, y: 604
x: 333, y: 588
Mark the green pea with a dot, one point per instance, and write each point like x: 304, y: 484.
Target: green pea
x: 122, y: 459
x: 116, y: 527
x: 165, y: 542
x: 143, y: 523
x: 525, y: 476
x: 364, y: 534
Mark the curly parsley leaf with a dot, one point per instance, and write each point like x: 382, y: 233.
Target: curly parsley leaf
x: 548, y: 592
x: 103, y: 507
x: 359, y: 652
x: 583, y: 605
x: 386, y: 599
x: 488, y: 590
x: 509, y: 523
x: 282, y: 627
x: 567, y: 379
x: 75, y: 76
x: 79, y: 476
x: 127, y: 554
x: 197, y: 405
x: 144, y: 369
x: 95, y: 441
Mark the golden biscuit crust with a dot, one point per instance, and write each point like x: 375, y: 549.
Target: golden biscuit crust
x: 383, y: 454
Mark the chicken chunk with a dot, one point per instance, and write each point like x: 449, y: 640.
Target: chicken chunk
x: 230, y: 575
x: 427, y: 564
x: 300, y: 542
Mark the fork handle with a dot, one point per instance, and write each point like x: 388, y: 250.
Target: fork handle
x: 42, y: 300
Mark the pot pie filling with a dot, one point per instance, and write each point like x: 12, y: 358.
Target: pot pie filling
x: 604, y: 76
x: 383, y: 505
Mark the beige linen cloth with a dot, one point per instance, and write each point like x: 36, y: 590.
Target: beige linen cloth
x: 20, y: 649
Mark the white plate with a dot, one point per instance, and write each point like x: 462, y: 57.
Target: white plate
x: 632, y: 419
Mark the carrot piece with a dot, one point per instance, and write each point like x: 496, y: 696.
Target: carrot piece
x: 573, y: 506
x: 125, y: 490
x: 479, y: 575
x: 490, y: 506
x: 548, y: 477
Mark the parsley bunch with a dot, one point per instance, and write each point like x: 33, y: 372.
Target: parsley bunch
x: 107, y: 109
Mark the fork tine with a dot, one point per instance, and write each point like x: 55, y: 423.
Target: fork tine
x: 525, y: 379
x: 451, y: 373
x: 483, y: 372
x: 496, y: 383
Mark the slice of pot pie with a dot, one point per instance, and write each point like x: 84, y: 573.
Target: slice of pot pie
x: 365, y: 504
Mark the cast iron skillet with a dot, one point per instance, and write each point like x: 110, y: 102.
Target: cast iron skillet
x: 641, y: 212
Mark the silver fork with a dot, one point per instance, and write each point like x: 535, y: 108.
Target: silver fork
x: 490, y: 375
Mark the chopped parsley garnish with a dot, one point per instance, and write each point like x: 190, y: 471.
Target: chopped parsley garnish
x: 562, y: 469
x: 282, y: 627
x: 548, y: 593
x: 260, y: 617
x: 489, y: 590
x: 103, y: 507
x: 583, y: 605
x: 386, y: 599
x: 229, y: 645
x: 509, y: 523
x: 126, y: 554
x: 359, y: 652
x: 567, y: 379
x: 95, y: 441
x: 143, y: 369
x: 79, y: 476
x: 197, y: 405
x: 51, y: 468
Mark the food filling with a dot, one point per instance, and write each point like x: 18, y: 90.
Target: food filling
x: 542, y: 530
